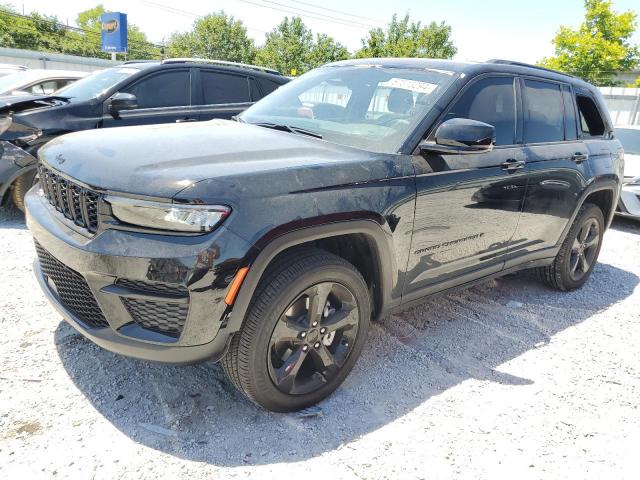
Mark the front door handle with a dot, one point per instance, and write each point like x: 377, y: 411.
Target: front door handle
x: 579, y: 157
x: 183, y: 120
x: 512, y: 164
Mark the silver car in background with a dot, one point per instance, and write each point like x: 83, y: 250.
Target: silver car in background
x: 629, y: 204
x: 37, y: 81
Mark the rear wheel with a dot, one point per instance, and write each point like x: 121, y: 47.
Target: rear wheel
x: 21, y: 186
x: 303, y: 333
x: 579, y: 252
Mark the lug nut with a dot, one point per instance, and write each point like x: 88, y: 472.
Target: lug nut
x: 314, y: 324
x: 303, y: 334
x: 305, y: 348
x: 317, y: 345
x: 322, y: 330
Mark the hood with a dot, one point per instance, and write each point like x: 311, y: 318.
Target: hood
x: 631, y: 165
x: 20, y: 103
x: 162, y: 160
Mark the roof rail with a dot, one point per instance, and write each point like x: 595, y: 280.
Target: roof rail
x: 528, y: 65
x: 128, y: 62
x: 222, y: 62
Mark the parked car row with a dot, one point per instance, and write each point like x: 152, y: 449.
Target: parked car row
x: 268, y: 243
x: 135, y: 93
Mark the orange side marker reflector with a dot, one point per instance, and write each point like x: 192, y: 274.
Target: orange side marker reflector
x: 235, y: 286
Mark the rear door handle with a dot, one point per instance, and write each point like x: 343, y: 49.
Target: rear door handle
x: 579, y: 157
x: 512, y: 164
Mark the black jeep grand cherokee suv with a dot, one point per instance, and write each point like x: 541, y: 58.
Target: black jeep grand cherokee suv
x: 269, y: 243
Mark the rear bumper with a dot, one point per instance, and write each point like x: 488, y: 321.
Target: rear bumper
x: 116, y: 269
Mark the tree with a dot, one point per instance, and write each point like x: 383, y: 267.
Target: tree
x: 287, y: 47
x: 599, y: 47
x: 216, y: 36
x: 404, y: 38
x: 326, y: 50
x: 291, y: 48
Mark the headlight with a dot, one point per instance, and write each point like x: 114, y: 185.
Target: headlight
x: 5, y: 123
x: 168, y: 216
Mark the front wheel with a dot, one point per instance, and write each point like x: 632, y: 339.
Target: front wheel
x: 303, y: 333
x: 21, y: 186
x: 579, y: 252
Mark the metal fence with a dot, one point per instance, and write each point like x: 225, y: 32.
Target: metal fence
x: 623, y: 104
x: 53, y: 61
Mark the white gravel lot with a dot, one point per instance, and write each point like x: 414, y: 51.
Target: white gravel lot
x: 505, y: 380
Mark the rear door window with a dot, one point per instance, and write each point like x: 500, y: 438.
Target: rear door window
x: 490, y: 100
x: 220, y: 88
x: 544, y: 112
x: 591, y: 123
x: 165, y: 89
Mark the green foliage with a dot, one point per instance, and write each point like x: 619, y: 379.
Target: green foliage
x: 46, y: 33
x: 215, y: 36
x: 599, y: 47
x: 404, y: 38
x: 291, y: 48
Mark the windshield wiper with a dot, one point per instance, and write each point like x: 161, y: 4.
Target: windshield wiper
x: 288, y: 128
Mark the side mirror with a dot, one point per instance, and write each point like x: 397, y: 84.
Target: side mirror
x: 462, y: 135
x: 122, y: 101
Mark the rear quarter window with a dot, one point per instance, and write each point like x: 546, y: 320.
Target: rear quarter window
x: 591, y: 122
x: 267, y: 86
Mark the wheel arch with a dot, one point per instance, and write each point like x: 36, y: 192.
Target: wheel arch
x: 339, y: 238
x: 604, y: 194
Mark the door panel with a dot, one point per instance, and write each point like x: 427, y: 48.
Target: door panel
x: 467, y: 209
x: 223, y: 95
x: 467, y: 206
x: 557, y: 175
x: 163, y: 97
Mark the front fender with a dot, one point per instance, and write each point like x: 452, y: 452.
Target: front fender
x: 14, y: 162
x: 380, y: 240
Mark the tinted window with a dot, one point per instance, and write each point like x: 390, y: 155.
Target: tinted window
x: 254, y: 90
x: 492, y: 101
x: 267, y: 86
x: 224, y: 88
x: 166, y: 89
x: 591, y: 122
x: 544, y: 116
x: 570, y: 124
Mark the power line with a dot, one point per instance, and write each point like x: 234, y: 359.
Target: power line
x: 338, y: 11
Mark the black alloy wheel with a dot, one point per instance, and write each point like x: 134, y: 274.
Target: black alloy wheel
x: 313, y: 338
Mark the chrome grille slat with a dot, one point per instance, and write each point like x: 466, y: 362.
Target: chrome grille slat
x: 76, y: 203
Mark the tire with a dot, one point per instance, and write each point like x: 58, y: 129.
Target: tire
x: 568, y: 272
x: 21, y: 186
x: 266, y: 360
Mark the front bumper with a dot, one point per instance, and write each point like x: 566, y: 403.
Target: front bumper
x: 110, y: 267
x: 629, y: 203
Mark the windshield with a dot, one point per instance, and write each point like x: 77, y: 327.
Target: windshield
x: 372, y: 108
x: 630, y: 139
x: 95, y: 84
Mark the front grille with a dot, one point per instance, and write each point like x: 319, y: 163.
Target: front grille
x: 72, y: 289
x: 162, y: 317
x: 76, y: 203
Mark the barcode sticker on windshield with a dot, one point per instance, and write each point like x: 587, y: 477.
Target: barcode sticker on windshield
x: 411, y: 85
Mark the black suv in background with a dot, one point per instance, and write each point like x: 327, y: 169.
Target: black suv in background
x: 135, y: 93
x: 354, y: 191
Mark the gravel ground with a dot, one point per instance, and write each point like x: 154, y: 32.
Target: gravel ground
x: 505, y: 380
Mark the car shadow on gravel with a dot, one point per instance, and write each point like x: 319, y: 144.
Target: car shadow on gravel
x: 194, y: 413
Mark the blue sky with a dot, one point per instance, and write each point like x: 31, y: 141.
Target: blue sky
x: 518, y: 30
